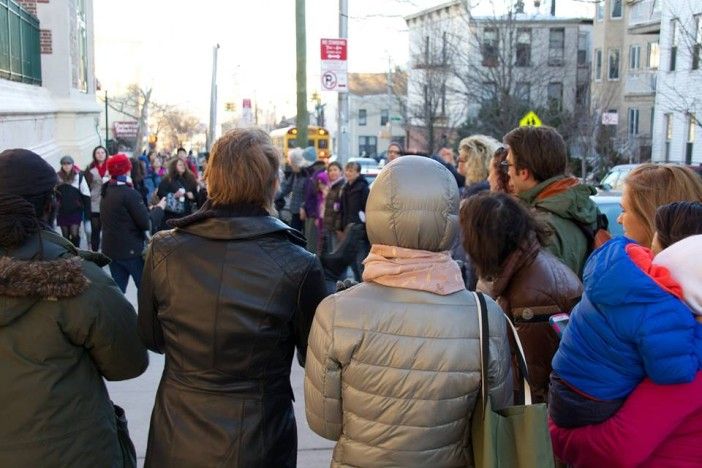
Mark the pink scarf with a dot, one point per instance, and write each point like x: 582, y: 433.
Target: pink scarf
x: 398, y: 267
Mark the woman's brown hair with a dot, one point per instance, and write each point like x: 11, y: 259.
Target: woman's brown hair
x: 187, y: 175
x: 678, y: 220
x: 495, y: 225
x: 243, y: 168
x: 650, y: 186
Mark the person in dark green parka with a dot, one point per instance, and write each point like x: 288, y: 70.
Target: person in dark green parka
x: 64, y: 326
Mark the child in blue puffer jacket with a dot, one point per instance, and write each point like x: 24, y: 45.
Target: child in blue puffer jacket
x: 632, y: 322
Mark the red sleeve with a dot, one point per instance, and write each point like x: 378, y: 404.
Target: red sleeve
x: 650, y: 414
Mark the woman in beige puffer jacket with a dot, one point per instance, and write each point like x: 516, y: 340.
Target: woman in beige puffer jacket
x: 393, y: 364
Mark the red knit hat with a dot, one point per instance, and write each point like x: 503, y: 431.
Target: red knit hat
x: 118, y: 165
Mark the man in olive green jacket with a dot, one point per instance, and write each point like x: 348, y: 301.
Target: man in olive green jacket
x: 536, y: 163
x: 64, y: 325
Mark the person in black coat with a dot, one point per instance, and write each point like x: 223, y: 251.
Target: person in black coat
x: 124, y: 220
x: 354, y: 196
x: 228, y: 295
x: 179, y: 188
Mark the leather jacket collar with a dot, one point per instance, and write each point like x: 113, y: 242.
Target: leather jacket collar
x: 234, y: 222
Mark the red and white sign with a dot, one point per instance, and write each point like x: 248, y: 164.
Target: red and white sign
x: 334, y: 65
x: 125, y: 128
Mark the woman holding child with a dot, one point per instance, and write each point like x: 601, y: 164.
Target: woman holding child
x: 627, y: 388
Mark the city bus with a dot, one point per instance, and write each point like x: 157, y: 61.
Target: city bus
x: 317, y: 137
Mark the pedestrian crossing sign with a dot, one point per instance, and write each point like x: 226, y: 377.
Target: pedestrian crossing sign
x: 530, y: 120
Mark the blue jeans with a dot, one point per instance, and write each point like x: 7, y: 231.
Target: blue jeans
x: 122, y: 269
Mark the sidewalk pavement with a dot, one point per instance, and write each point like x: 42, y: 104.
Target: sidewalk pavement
x: 136, y: 396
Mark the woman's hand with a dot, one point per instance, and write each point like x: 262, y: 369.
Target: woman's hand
x: 303, y: 214
x: 190, y: 195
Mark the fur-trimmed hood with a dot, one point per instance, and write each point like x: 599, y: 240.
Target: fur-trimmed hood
x: 23, y: 283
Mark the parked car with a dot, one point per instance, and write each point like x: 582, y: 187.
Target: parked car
x: 611, y: 207
x: 613, y: 181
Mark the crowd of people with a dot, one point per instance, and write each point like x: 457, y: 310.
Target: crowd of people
x: 392, y: 364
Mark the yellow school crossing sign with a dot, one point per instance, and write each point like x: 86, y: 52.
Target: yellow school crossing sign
x: 530, y: 120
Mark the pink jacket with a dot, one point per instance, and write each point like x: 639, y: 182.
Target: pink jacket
x: 658, y: 426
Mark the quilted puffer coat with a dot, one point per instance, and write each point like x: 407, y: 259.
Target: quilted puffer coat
x: 393, y: 374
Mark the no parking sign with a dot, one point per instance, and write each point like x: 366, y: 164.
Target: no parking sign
x: 334, y: 68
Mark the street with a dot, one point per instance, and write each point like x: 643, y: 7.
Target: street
x: 136, y: 396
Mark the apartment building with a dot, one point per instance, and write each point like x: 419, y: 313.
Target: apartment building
x: 465, y: 67
x: 625, y: 63
x: 677, y: 122
x: 376, y: 111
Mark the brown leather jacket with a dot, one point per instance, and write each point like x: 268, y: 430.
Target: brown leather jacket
x: 533, y: 286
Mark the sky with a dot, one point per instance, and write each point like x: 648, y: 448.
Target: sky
x: 168, y: 45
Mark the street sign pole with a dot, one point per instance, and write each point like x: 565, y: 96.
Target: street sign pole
x: 343, y: 116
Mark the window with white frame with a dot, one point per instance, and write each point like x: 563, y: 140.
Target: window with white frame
x: 523, y: 58
x: 634, y: 57
x: 633, y: 121
x: 616, y: 8
x: 367, y: 146
x: 490, y: 47
x: 598, y: 64
x: 673, y: 43
x: 384, y: 116
x: 523, y: 91
x: 555, y: 95
x: 691, y: 124
x: 556, y: 46
x: 697, y: 46
x: 668, y: 134
x: 600, y: 10
x: 653, y: 54
x: 362, y: 117
x: 613, y: 64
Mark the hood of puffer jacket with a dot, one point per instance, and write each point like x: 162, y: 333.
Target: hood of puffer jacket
x: 24, y: 280
x: 413, y: 204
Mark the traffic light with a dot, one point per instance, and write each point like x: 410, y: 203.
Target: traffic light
x: 153, y: 139
x: 229, y: 106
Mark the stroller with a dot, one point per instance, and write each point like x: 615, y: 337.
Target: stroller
x: 336, y: 262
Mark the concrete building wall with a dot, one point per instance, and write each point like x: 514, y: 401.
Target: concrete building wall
x: 56, y: 118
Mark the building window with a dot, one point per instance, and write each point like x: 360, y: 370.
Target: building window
x: 613, y: 64
x: 20, y: 44
x: 384, y: 117
x: 490, y: 47
x: 691, y: 124
x: 523, y: 47
x: 362, y: 117
x: 443, y: 99
x: 556, y: 46
x: 81, y: 81
x: 599, y: 10
x: 634, y: 57
x: 581, y: 94
x: 673, y: 43
x: 616, y: 8
x: 668, y: 135
x: 583, y: 47
x: 367, y: 146
x: 426, y: 51
x: 633, y: 121
x: 653, y: 55
x: 598, y: 64
x: 523, y: 92
x: 697, y: 46
x: 555, y: 95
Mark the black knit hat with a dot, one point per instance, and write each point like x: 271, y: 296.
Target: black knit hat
x: 25, y: 173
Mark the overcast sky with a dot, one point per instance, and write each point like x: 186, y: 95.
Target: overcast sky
x: 167, y: 44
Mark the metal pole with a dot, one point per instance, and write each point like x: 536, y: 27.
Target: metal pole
x: 107, y: 125
x: 553, y: 7
x: 213, y: 100
x: 301, y: 48
x: 343, y: 112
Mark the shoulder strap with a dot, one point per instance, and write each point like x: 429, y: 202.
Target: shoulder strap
x: 485, y: 350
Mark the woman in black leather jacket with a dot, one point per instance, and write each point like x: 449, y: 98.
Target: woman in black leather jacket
x: 228, y: 296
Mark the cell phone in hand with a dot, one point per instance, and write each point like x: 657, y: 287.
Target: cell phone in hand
x: 559, y: 322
